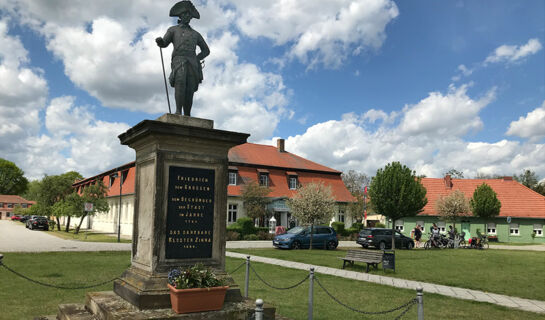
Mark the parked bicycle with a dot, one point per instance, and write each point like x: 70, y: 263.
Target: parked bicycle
x: 479, y: 242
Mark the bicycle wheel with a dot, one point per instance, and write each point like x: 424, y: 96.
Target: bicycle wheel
x: 485, y: 245
x: 427, y: 245
x: 462, y: 244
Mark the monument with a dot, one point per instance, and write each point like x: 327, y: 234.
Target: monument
x: 180, y: 202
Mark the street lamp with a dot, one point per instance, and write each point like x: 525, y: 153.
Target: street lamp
x: 120, y: 175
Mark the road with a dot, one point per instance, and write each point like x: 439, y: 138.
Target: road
x: 14, y: 237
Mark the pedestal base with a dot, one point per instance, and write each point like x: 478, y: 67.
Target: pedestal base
x: 108, y: 305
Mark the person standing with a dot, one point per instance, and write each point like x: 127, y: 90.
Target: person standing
x: 417, y: 235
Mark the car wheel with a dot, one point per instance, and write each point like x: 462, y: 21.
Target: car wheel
x: 410, y: 245
x: 296, y: 245
x: 364, y: 246
x: 331, y: 245
x: 382, y: 245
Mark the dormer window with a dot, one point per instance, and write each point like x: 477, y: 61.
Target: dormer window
x: 292, y: 180
x: 232, y: 178
x: 263, y: 177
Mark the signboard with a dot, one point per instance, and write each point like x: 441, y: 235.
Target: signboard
x: 190, y: 213
x: 389, y: 260
x: 88, y: 207
x: 508, y: 219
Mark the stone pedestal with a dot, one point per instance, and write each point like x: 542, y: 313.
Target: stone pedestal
x: 180, y: 207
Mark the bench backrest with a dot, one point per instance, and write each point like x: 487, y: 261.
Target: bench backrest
x: 365, y: 254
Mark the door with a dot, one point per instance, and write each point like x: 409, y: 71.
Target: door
x: 465, y: 228
x: 320, y: 237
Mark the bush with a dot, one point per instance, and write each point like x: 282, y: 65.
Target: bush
x: 251, y: 237
x: 356, y: 225
x: 352, y: 230
x: 338, y: 227
x: 246, y: 225
x: 261, y: 235
x: 234, y: 228
x: 380, y: 225
x: 261, y: 229
x: 232, y: 236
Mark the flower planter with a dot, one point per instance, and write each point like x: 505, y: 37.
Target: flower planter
x: 197, y: 300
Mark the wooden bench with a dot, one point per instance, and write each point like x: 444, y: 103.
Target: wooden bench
x: 371, y: 257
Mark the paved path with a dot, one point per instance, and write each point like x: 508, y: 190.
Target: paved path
x: 14, y: 237
x: 351, y: 244
x: 455, y: 292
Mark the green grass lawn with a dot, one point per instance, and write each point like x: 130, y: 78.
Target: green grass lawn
x: 514, y: 273
x: 22, y: 299
x: 86, y: 236
x: 358, y: 294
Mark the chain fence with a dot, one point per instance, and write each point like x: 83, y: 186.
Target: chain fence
x: 278, y: 288
x: 237, y: 268
x: 52, y: 285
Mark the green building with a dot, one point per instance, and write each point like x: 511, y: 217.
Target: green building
x: 521, y: 217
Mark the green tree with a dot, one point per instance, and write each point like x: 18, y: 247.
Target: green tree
x: 94, y: 194
x: 396, y: 192
x: 527, y: 178
x: 255, y: 200
x: 455, y: 174
x: 540, y: 188
x: 56, y: 188
x: 452, y: 206
x: 485, y: 203
x: 20, y: 210
x: 313, y: 203
x: 12, y: 179
x: 33, y: 190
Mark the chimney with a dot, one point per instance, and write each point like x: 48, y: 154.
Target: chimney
x: 448, y: 181
x: 280, y: 145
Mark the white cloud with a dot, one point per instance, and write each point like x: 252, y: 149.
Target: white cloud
x: 514, y: 53
x: 319, y: 33
x: 531, y: 127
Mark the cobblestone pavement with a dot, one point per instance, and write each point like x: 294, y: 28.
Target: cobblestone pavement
x: 455, y: 292
x: 14, y: 237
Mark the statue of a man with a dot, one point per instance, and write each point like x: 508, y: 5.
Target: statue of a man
x: 186, y: 74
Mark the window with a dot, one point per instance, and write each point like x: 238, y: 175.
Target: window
x: 293, y: 183
x: 491, y: 228
x: 232, y: 213
x: 232, y: 178
x: 264, y: 179
x: 538, y: 230
x: 514, y: 229
x: 442, y: 226
x: 10, y: 205
x: 321, y: 230
x: 399, y: 225
x: 1, y: 204
x: 341, y: 215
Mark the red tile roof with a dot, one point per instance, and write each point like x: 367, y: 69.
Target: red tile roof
x: 516, y: 199
x: 269, y: 156
x: 7, y: 198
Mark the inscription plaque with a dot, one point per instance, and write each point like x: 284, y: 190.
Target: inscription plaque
x: 190, y: 213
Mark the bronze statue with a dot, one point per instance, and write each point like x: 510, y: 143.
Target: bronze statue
x: 186, y: 74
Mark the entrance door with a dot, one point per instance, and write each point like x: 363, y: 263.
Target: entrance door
x: 465, y: 228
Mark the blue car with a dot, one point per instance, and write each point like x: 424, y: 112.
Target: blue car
x: 299, y: 237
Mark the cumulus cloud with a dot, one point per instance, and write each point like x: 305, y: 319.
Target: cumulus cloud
x: 531, y: 127
x: 319, y: 33
x: 514, y: 53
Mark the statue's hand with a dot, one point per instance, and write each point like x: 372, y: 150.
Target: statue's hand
x: 160, y: 42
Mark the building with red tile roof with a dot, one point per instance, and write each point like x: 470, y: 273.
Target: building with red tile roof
x: 10, y: 202
x: 522, y: 210
x: 280, y: 170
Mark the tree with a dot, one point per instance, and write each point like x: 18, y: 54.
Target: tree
x: 313, y: 203
x: 485, y: 203
x: 356, y: 182
x: 56, y: 188
x: 254, y: 198
x: 94, y: 194
x: 481, y: 175
x: 527, y: 178
x: 12, y: 179
x: 452, y: 206
x: 540, y: 188
x: 455, y: 174
x: 33, y: 190
x: 396, y: 192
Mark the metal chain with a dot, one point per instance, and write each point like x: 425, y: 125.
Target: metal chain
x: 415, y: 301
x: 236, y: 269
x: 278, y: 288
x: 54, y: 286
x: 412, y: 301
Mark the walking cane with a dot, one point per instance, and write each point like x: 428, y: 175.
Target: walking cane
x: 165, y: 78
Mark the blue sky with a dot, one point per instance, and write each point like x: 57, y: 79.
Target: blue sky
x: 352, y: 84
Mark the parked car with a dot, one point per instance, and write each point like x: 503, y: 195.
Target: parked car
x: 39, y: 223
x: 24, y: 219
x: 299, y: 237
x: 381, y: 238
x: 15, y: 217
x: 28, y: 222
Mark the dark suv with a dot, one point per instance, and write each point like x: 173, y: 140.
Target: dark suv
x: 299, y: 237
x: 381, y: 238
x: 38, y: 223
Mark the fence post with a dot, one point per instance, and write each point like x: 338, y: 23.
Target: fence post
x: 247, y: 280
x: 420, y: 298
x: 310, y: 293
x: 259, y: 309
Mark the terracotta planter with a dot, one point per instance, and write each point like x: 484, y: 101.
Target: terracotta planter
x: 197, y: 300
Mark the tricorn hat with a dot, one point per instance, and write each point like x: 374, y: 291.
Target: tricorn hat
x: 182, y: 6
